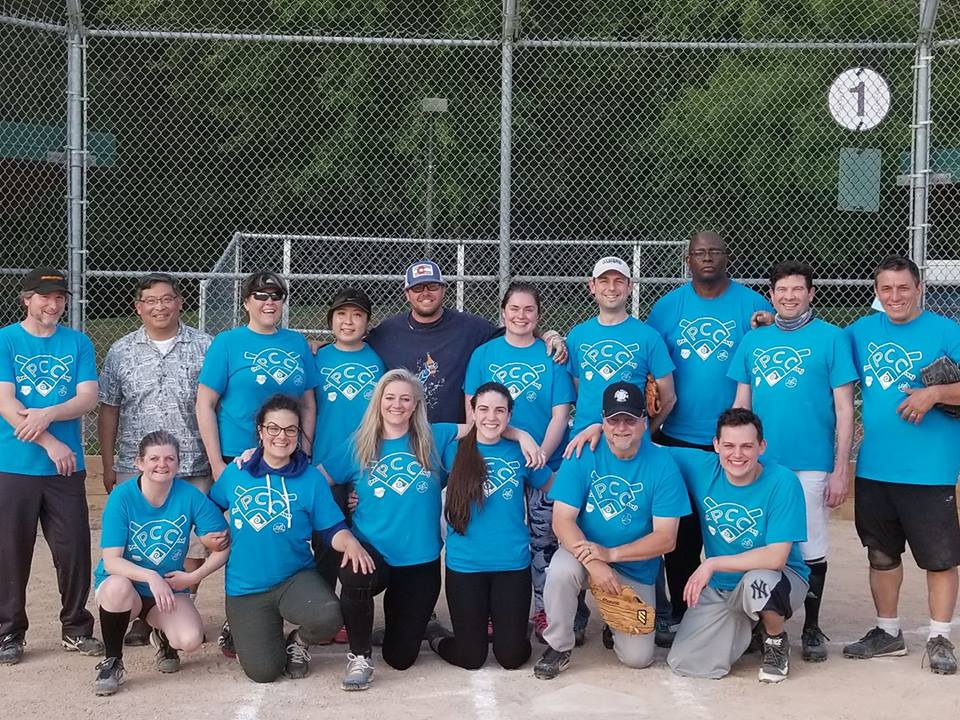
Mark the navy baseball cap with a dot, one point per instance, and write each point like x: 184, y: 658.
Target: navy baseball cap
x: 624, y: 397
x: 423, y: 271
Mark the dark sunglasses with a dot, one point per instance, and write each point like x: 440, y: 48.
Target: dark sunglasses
x: 264, y: 295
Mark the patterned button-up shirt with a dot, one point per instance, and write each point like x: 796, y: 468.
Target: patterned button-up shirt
x: 156, y: 392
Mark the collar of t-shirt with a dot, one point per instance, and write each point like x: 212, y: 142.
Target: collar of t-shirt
x: 415, y: 325
x: 164, y: 346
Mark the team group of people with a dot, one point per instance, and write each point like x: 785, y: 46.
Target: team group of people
x: 321, y: 477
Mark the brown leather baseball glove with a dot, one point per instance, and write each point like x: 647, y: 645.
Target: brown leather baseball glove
x: 625, y: 612
x: 652, y: 391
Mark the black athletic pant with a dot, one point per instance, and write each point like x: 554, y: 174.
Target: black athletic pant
x: 59, y: 503
x: 328, y: 560
x: 474, y: 598
x: 410, y: 594
x: 685, y: 558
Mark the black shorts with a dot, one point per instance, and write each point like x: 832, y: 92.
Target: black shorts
x: 890, y: 515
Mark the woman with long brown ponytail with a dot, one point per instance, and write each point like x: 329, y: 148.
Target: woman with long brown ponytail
x: 488, y: 544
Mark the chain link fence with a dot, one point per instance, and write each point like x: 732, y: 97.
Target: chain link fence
x: 339, y: 140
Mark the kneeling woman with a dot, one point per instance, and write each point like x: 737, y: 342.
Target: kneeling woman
x: 488, y: 542
x: 146, y: 530
x: 394, y: 459
x: 276, y: 501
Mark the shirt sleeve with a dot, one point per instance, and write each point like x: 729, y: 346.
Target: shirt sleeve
x: 206, y: 517
x: 7, y: 372
x: 324, y: 512
x: 573, y: 354
x: 659, y: 360
x: 537, y: 478
x: 568, y: 486
x: 842, y: 368
x: 109, y: 390
x: 115, y: 521
x: 759, y: 303
x: 218, y: 492
x: 563, y: 392
x: 341, y: 464
x: 87, y: 360
x: 215, y: 370
x: 952, y: 342
x: 473, y: 378
x: 691, y: 464
x: 311, y: 376
x: 738, y: 369
x: 657, y: 317
x: 786, y: 512
x: 670, y: 497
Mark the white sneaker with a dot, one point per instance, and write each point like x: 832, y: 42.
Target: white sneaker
x: 359, y: 673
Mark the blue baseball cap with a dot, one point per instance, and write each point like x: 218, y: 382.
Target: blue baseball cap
x: 423, y: 271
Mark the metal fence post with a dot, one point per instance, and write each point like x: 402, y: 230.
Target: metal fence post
x: 510, y: 26
x: 920, y: 170
x: 76, y: 156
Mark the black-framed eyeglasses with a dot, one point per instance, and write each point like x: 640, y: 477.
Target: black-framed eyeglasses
x: 264, y: 295
x: 273, y: 430
x: 712, y: 253
x: 425, y: 287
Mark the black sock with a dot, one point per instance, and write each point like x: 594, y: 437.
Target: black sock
x: 113, y: 625
x: 818, y: 576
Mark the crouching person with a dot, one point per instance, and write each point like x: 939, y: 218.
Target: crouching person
x: 146, y: 531
x: 616, y: 511
x: 753, y: 519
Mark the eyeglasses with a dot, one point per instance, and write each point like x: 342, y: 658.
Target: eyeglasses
x: 273, y: 430
x: 425, y: 287
x: 154, y: 301
x: 622, y: 419
x: 264, y: 295
x: 712, y: 253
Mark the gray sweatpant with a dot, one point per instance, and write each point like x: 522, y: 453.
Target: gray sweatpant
x: 565, y: 578
x: 713, y: 635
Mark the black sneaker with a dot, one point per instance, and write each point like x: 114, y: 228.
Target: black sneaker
x: 551, y: 663
x: 940, y: 653
x: 138, y: 635
x: 813, y: 644
x: 775, y: 660
x: 83, y: 644
x: 298, y: 657
x: 434, y: 633
x: 11, y: 648
x: 664, y: 633
x: 225, y: 641
x: 876, y: 643
x: 168, y: 659
x: 110, y: 676
x: 607, y: 637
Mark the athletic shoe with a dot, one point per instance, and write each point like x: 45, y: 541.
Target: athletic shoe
x: 607, y: 637
x: 876, y: 643
x: 940, y: 653
x: 168, y: 659
x: 775, y: 660
x: 376, y: 637
x: 225, y: 641
x: 298, y: 657
x: 540, y: 625
x: 434, y: 633
x: 138, y: 635
x: 551, y: 663
x: 664, y: 632
x: 813, y: 644
x: 341, y: 637
x: 359, y: 673
x: 83, y: 644
x: 579, y: 636
x: 110, y: 676
x: 11, y: 648
x: 756, y: 640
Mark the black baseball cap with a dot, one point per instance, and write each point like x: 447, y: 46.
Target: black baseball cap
x: 350, y: 296
x: 624, y: 397
x: 262, y: 280
x: 45, y: 280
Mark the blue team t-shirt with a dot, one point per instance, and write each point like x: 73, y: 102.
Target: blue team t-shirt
x: 246, y: 368
x: 702, y: 335
x: 44, y: 371
x: 496, y: 538
x: 536, y: 383
x: 600, y: 355
x: 889, y: 357
x: 735, y: 519
x: 618, y: 499
x: 347, y: 379
x: 792, y: 376
x: 155, y: 538
x: 272, y: 519
x: 398, y: 512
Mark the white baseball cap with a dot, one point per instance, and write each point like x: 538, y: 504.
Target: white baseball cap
x: 611, y: 263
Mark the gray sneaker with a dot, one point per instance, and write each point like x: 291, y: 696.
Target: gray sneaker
x: 168, y: 659
x: 940, y: 654
x: 775, y: 660
x: 359, y: 673
x: 813, y: 644
x: 110, y: 676
x: 876, y: 643
x: 551, y: 663
x: 11, y: 648
x: 83, y: 644
x: 298, y: 657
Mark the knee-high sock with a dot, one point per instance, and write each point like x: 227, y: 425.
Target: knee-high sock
x: 818, y: 576
x: 113, y: 625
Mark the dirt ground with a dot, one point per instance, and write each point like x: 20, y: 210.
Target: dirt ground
x: 52, y: 683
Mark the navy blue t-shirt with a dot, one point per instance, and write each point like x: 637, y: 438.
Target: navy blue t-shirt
x: 437, y: 353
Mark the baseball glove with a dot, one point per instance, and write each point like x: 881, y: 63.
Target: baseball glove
x: 942, y: 371
x: 652, y: 392
x: 625, y: 612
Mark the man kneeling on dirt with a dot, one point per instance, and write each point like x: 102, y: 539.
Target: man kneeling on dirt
x: 752, y: 520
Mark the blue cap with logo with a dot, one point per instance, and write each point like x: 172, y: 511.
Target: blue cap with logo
x: 423, y: 271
